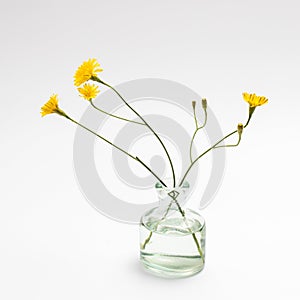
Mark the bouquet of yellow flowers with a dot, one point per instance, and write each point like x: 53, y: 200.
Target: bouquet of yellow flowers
x: 172, y: 220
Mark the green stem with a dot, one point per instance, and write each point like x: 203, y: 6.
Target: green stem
x: 251, y: 111
x: 198, y: 247
x: 195, y: 117
x: 205, y: 118
x: 114, y: 116
x: 150, y: 128
x: 101, y: 137
x: 197, y: 129
x: 192, y: 164
x: 147, y: 240
x: 142, y: 163
x: 234, y: 145
x: 189, y: 229
x: 115, y: 146
x: 191, y: 144
x: 221, y: 140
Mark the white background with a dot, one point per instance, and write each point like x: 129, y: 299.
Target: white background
x: 53, y: 244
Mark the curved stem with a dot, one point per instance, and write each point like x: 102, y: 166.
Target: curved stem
x: 189, y: 229
x: 191, y: 144
x: 101, y: 137
x: 251, y: 111
x: 234, y: 145
x: 115, y: 146
x: 217, y: 143
x: 194, y: 135
x: 147, y: 240
x: 155, y: 134
x: 142, y: 163
x: 114, y: 116
x: 192, y: 164
x: 195, y: 117
x: 205, y: 119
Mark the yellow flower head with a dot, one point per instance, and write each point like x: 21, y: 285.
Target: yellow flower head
x: 86, y: 71
x: 88, y: 91
x: 51, y: 107
x: 254, y: 100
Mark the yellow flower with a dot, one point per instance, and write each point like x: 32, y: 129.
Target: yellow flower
x: 88, y: 91
x: 254, y: 100
x: 86, y: 71
x: 51, y: 107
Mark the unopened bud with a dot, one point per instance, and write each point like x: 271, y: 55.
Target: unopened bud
x: 204, y: 103
x: 240, y: 128
x: 194, y: 104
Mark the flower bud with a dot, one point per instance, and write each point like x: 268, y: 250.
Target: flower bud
x: 194, y: 104
x: 204, y: 103
x: 240, y: 128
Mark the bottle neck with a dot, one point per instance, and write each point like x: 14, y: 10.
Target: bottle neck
x: 174, y: 195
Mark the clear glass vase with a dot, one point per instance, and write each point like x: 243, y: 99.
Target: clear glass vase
x: 172, y: 239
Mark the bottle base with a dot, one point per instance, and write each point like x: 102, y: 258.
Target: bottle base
x: 171, y: 266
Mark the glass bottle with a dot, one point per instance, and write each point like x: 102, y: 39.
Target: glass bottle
x: 172, y: 239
